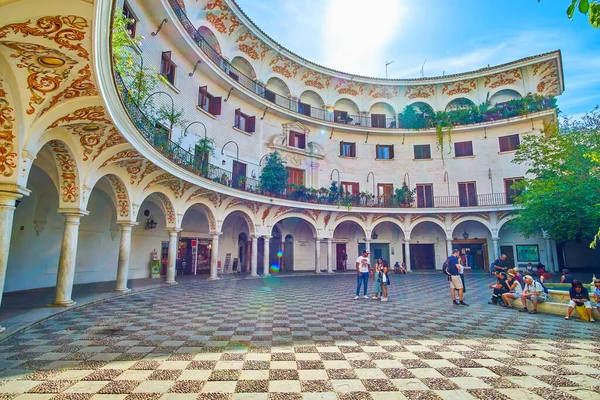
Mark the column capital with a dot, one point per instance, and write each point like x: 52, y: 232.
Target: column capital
x: 173, y: 231
x: 406, y: 240
x: 266, y: 237
x: 124, y: 224
x: 495, y: 239
x: 329, y: 240
x: 368, y: 240
x: 73, y: 212
x: 10, y: 192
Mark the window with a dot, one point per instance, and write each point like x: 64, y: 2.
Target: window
x: 270, y: 95
x: 422, y: 151
x: 347, y: 149
x: 467, y: 194
x: 167, y: 67
x: 208, y: 102
x: 350, y: 187
x: 127, y: 13
x: 385, y: 193
x: 304, y: 108
x: 297, y: 140
x: 341, y: 117
x: 238, y: 175
x: 378, y: 120
x: 463, y: 149
x: 384, y: 152
x: 509, y: 143
x: 295, y: 176
x: 244, y: 122
x: 510, y: 191
x: 425, y: 195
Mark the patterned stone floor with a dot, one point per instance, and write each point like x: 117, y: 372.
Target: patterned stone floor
x: 302, y: 337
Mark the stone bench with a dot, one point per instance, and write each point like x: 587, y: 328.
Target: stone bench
x: 556, y: 304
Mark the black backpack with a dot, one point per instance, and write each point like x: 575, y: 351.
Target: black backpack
x: 445, y: 267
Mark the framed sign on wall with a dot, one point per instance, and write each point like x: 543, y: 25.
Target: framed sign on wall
x: 528, y: 253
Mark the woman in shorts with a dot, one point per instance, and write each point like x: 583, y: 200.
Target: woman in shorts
x: 385, y: 282
x: 514, y: 290
x: 377, y: 271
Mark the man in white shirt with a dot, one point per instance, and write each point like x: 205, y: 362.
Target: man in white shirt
x: 363, y: 265
x: 534, y: 292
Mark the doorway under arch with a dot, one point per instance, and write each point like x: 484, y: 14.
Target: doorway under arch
x: 288, y: 253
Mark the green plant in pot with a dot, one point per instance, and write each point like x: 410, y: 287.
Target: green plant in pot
x: 203, y: 150
x: 274, y: 175
x: 404, y: 196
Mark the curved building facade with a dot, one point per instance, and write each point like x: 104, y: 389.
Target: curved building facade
x: 95, y: 177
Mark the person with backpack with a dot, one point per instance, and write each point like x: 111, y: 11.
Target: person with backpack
x: 498, y: 265
x: 451, y: 267
x: 534, y: 291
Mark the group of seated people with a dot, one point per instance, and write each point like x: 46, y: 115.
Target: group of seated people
x: 399, y: 268
x: 511, y: 284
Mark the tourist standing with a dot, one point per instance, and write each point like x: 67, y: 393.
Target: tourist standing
x: 377, y: 272
x: 385, y: 283
x: 344, y: 260
x: 362, y: 273
x: 455, y: 281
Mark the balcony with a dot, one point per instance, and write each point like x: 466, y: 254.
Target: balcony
x: 470, y: 116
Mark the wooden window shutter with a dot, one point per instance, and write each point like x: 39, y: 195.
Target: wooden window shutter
x: 236, y: 120
x: 376, y: 151
x: 292, y: 139
x: 215, y: 106
x: 503, y: 144
x: 391, y: 152
x: 202, y: 95
x: 469, y: 148
x: 342, y: 149
x: 302, y: 141
x: 420, y: 196
x: 251, y: 124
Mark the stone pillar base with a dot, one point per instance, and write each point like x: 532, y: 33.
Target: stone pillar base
x: 253, y: 275
x: 171, y: 283
x: 62, y: 304
x: 213, y: 278
x: 266, y: 275
x: 122, y: 290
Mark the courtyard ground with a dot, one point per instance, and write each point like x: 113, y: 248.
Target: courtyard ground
x: 302, y: 337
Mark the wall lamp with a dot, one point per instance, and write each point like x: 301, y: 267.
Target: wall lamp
x: 150, y: 223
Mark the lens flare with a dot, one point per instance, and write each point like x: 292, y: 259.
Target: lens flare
x: 280, y: 253
x: 274, y: 269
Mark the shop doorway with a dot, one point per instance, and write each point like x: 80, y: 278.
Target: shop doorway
x: 422, y: 256
x: 288, y: 253
x: 242, y: 250
x: 274, y: 251
x: 378, y: 250
x: 340, y: 250
x: 472, y: 253
x: 193, y: 256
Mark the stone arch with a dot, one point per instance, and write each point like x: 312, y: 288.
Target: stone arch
x: 212, y: 220
x: 244, y: 66
x: 123, y: 204
x: 313, y: 99
x: 210, y: 38
x: 423, y: 107
x: 310, y: 221
x: 347, y: 105
x: 505, y: 220
x: 166, y: 203
x: 388, y: 219
x: 278, y: 86
x: 70, y: 195
x: 460, y: 103
x: 382, y: 106
x: 245, y: 215
x: 504, y: 95
x: 349, y: 218
x: 473, y: 218
x: 420, y: 220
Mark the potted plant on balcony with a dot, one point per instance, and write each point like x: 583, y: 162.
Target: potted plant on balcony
x: 404, y: 196
x: 203, y: 150
x: 274, y: 175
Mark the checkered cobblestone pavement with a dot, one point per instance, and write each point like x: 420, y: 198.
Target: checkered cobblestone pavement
x: 302, y: 337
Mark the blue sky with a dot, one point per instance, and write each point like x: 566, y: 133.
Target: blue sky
x: 358, y: 37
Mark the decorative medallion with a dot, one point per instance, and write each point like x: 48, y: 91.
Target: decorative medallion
x: 199, y: 193
x: 184, y: 188
x: 150, y: 168
x: 168, y: 208
x: 503, y: 78
x: 460, y: 87
x: 316, y: 80
x: 419, y: 92
x: 47, y: 69
x: 114, y: 138
x: 383, y: 92
x: 69, y: 189
x: 81, y: 86
x: 249, y: 44
x: 159, y: 178
x: 284, y: 66
x: 125, y: 154
x: 174, y: 185
x: 7, y: 119
x: 64, y: 30
x: 326, y: 219
x: 121, y: 193
x: 91, y: 114
x: 548, y: 73
x: 349, y: 88
x: 265, y: 214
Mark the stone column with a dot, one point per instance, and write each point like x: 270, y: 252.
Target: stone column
x: 171, y: 264
x: 449, y: 247
x: 550, y: 255
x: 496, y: 248
x: 7, y: 211
x: 254, y: 259
x: 124, y: 251
x: 68, y: 255
x: 368, y: 245
x: 214, y: 255
x: 318, y: 255
x: 266, y: 252
x: 330, y: 258
x: 407, y: 252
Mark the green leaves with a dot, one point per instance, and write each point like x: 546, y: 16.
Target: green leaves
x: 584, y: 6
